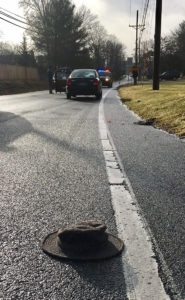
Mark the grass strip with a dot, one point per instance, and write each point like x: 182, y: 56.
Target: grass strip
x: 167, y: 105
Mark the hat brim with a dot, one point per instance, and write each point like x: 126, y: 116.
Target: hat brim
x: 112, y: 247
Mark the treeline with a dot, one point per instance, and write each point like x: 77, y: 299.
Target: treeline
x: 17, y: 54
x: 172, y: 53
x: 63, y: 35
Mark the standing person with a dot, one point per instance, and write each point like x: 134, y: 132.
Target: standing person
x: 50, y: 80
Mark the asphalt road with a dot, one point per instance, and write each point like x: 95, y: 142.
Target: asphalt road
x: 154, y: 162
x: 52, y: 174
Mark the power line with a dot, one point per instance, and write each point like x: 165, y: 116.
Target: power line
x: 145, y: 9
x: 13, y: 23
x: 148, y: 21
x: 17, y: 25
x: 152, y: 16
x: 15, y: 19
x: 8, y: 16
x: 12, y: 13
x: 142, y: 10
x: 145, y: 12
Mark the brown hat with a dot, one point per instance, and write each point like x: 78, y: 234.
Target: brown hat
x: 83, y: 241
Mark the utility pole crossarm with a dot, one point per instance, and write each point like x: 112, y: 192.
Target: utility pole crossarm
x: 139, y: 26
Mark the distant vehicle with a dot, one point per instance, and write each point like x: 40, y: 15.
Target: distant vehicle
x: 169, y: 75
x: 84, y: 82
x: 106, y: 77
x: 60, y: 79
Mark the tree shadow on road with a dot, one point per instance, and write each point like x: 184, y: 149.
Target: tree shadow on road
x: 12, y: 127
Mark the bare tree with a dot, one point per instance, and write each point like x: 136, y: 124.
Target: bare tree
x: 55, y: 29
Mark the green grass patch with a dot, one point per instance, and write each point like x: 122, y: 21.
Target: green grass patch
x: 167, y: 104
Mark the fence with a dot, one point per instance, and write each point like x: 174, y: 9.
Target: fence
x: 10, y: 72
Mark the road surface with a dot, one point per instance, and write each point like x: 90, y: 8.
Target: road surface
x: 53, y: 174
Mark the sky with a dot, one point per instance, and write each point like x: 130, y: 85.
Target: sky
x: 114, y: 15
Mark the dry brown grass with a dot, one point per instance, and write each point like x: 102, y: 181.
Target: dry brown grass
x: 167, y: 104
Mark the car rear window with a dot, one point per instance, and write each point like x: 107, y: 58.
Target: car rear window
x: 83, y: 74
x: 61, y: 76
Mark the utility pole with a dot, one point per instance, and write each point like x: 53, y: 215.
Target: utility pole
x: 137, y: 26
x: 157, y: 45
x: 139, y: 61
x: 136, y: 56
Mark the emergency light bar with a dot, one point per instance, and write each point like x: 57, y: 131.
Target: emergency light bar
x: 101, y: 70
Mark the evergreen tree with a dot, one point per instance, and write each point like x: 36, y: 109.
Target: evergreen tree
x: 56, y: 30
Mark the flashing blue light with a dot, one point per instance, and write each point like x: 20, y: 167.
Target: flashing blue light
x: 99, y: 71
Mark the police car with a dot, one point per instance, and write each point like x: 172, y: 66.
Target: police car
x: 105, y: 77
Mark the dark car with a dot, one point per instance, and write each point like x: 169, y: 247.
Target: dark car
x: 169, y: 75
x: 84, y: 82
x: 105, y: 77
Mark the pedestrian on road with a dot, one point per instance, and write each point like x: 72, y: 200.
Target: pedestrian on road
x: 50, y: 80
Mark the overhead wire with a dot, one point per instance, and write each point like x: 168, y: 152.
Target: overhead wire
x: 15, y: 19
x: 145, y: 30
x: 149, y: 21
x: 13, y: 23
x: 152, y: 15
x: 16, y: 24
x: 11, y: 17
x: 143, y: 23
x: 12, y: 13
x: 145, y: 11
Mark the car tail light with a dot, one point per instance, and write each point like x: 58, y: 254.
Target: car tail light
x: 96, y: 82
x: 68, y: 82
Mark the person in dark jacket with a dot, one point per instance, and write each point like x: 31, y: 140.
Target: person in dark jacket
x: 50, y: 80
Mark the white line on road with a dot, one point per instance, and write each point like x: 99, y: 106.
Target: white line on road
x: 139, y: 266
